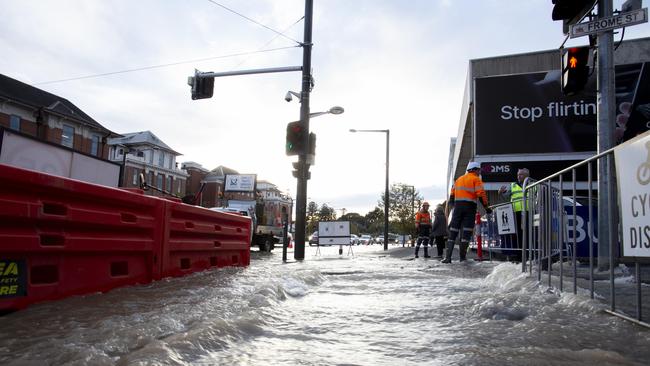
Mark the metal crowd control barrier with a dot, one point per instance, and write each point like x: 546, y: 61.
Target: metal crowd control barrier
x: 560, y: 239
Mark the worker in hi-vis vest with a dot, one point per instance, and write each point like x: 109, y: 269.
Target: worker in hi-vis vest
x: 466, y: 191
x: 423, y: 227
x: 515, y: 193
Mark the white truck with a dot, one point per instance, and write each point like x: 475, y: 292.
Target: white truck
x: 264, y: 236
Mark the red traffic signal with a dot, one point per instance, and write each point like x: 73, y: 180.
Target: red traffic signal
x: 296, y: 139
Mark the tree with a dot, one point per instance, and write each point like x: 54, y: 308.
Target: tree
x: 326, y: 213
x: 404, y: 202
x: 358, y: 223
x: 312, y: 220
x: 375, y: 220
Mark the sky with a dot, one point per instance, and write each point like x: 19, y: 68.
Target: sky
x: 391, y: 64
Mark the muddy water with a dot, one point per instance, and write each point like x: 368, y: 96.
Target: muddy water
x: 370, y: 308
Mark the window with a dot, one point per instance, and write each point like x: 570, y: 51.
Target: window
x: 161, y: 159
x: 94, y: 146
x: 135, y: 177
x: 67, y: 136
x: 151, y: 157
x: 159, y: 181
x: 169, y: 183
x: 14, y: 122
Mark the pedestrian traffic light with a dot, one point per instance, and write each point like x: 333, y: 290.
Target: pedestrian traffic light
x: 571, y: 11
x: 296, y: 139
x: 312, y: 143
x: 575, y: 69
x: 202, y: 87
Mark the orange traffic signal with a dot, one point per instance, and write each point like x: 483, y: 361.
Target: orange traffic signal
x: 575, y: 69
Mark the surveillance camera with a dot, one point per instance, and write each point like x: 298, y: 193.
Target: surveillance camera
x: 288, y: 97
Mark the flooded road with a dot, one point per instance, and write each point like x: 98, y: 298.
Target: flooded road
x: 372, y: 308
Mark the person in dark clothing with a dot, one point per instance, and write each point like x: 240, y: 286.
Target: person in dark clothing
x: 439, y: 232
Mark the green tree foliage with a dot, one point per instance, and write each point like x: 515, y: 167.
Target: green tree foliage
x: 375, y: 221
x: 326, y: 213
x: 312, y: 217
x: 358, y: 223
x: 405, y: 200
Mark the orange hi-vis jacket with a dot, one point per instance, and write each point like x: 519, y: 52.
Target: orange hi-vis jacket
x: 469, y: 188
x: 422, y: 218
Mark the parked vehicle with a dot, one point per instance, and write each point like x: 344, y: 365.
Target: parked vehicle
x: 354, y: 239
x: 379, y: 239
x: 313, y: 238
x: 263, y: 236
x: 365, y: 240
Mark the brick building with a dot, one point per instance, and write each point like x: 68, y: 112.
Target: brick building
x: 51, y: 118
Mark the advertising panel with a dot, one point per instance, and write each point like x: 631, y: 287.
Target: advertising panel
x: 633, y: 173
x: 240, y: 183
x: 506, y: 171
x: 528, y: 114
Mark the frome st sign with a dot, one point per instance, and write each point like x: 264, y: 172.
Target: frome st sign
x: 633, y: 173
x: 604, y: 24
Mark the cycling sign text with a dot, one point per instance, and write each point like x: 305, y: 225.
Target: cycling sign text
x: 633, y: 171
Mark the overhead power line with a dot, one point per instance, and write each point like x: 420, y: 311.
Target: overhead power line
x: 254, y: 21
x: 161, y: 65
x: 272, y: 39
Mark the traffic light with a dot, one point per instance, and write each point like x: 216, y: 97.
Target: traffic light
x: 575, y: 69
x: 571, y: 11
x: 202, y: 87
x: 296, y: 139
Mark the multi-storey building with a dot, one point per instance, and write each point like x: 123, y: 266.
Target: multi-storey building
x: 145, y: 156
x: 51, y: 118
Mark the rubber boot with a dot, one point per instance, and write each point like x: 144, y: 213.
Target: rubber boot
x: 463, y: 251
x: 426, y: 252
x: 450, y: 250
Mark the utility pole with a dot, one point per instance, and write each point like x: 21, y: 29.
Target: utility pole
x: 303, y: 166
x: 606, y: 104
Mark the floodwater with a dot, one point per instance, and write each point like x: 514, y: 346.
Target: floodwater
x: 370, y: 308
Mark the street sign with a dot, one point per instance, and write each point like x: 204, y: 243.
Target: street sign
x: 505, y: 220
x: 334, y: 233
x: 605, y: 24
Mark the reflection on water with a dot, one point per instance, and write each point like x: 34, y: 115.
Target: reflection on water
x: 373, y: 308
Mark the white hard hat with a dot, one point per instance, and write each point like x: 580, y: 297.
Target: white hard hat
x: 473, y: 165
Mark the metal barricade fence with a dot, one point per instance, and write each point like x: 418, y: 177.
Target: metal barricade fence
x: 557, y: 224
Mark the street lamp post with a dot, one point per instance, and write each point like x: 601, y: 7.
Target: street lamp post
x: 386, y: 193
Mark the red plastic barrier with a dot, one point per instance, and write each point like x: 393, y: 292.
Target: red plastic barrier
x: 61, y: 237
x: 197, y: 239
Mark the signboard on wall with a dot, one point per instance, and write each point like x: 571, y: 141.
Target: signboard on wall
x: 528, y: 114
x: 633, y: 177
x: 239, y: 183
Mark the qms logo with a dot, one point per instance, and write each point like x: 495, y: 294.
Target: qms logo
x: 495, y: 168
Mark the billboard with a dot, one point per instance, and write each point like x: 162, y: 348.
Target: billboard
x: 528, y: 114
x: 239, y: 183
